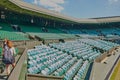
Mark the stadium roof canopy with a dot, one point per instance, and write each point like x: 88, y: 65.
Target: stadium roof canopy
x: 47, y: 12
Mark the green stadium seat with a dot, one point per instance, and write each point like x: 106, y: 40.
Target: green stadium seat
x: 12, y: 35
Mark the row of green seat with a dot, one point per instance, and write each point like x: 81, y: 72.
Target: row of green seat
x: 53, y: 35
x: 77, y: 49
x: 12, y: 36
x: 6, y: 27
x: 49, y: 61
x: 82, y: 71
x: 69, y: 75
x: 104, y: 45
x: 36, y: 29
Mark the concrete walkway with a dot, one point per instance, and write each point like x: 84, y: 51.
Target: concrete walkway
x: 100, y: 70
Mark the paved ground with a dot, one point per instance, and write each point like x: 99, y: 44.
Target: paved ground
x: 100, y: 70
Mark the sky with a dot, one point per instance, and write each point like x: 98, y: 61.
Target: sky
x: 81, y: 8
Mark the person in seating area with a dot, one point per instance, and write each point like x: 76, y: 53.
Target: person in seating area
x: 8, y: 55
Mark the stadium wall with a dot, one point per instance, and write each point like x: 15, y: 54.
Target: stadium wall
x: 104, y: 55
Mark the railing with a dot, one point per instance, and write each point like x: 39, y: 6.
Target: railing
x: 42, y: 77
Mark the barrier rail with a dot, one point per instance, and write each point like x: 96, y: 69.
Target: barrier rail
x: 42, y: 77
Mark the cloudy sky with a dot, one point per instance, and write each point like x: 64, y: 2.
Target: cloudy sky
x: 81, y: 8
